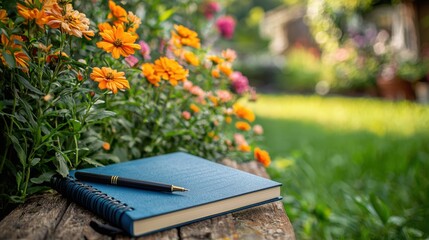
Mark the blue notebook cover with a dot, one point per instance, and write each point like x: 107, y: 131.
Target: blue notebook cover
x: 214, y: 189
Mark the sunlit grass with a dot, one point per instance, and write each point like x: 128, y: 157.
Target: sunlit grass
x: 350, y: 167
x: 347, y: 114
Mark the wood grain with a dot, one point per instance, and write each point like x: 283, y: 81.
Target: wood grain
x: 51, y: 216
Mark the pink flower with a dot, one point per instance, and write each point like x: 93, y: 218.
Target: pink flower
x: 239, y: 139
x: 210, y: 9
x: 186, y: 115
x: 240, y: 83
x: 131, y: 60
x: 145, y: 50
x: 224, y: 95
x: 258, y: 130
x: 187, y: 85
x: 229, y: 55
x: 197, y: 91
x: 226, y: 26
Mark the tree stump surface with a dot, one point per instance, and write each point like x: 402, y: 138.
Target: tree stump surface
x: 51, y: 216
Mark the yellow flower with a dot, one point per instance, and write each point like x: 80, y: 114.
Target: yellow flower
x: 194, y: 108
x: 244, y: 126
x: 262, y: 156
x: 150, y: 74
x: 3, y: 16
x: 185, y: 36
x: 117, y: 13
x: 191, y: 58
x: 108, y: 78
x: 170, y: 70
x: 118, y: 42
x: 243, y: 112
x: 72, y: 22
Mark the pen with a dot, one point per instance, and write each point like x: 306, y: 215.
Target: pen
x: 127, y: 182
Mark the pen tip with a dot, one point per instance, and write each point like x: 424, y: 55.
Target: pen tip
x: 179, y: 189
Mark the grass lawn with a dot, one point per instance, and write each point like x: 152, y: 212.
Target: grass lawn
x: 350, y: 168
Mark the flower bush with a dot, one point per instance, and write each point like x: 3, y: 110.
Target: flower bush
x: 83, y: 90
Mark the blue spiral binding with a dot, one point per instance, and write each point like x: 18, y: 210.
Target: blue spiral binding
x: 93, y: 199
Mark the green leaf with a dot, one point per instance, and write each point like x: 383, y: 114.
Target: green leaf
x: 34, y: 161
x: 380, y: 208
x: 62, y: 164
x: 99, y: 101
x: 44, y: 177
x: 98, y: 115
x: 22, y: 155
x: 10, y: 60
x: 177, y: 132
x: 28, y: 85
x: 164, y: 15
x: 77, y: 125
x: 92, y: 162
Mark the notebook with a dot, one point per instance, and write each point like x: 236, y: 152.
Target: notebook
x: 214, y: 189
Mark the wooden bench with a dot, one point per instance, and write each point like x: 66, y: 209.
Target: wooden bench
x: 51, y: 216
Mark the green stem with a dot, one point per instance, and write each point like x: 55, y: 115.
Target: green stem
x: 76, y: 150
x: 9, y: 129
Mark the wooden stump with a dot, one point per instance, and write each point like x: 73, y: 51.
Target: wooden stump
x: 51, y: 216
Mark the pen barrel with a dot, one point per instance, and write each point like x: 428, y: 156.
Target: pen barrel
x: 91, y: 177
x: 154, y: 186
x: 125, y: 182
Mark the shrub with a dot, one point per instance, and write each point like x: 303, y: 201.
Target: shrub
x: 74, y: 96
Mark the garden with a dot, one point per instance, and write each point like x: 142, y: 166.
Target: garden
x: 132, y: 79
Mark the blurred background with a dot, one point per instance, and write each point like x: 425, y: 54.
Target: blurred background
x: 343, y: 88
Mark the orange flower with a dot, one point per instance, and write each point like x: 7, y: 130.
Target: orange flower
x: 37, y: 10
x: 22, y: 60
x: 10, y: 47
x: 106, y: 146
x: 215, y: 73
x: 244, y: 126
x: 104, y: 26
x: 191, y: 58
x: 215, y: 59
x: 150, y: 74
x: 228, y: 119
x: 262, y: 156
x: 110, y: 79
x: 214, y: 100
x: 117, y: 13
x: 134, y: 22
x: 170, y: 70
x: 243, y: 112
x: 194, y: 108
x: 3, y: 16
x: 244, y: 147
x: 72, y: 22
x: 185, y: 36
x: 225, y: 68
x: 53, y: 58
x: 118, y: 42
